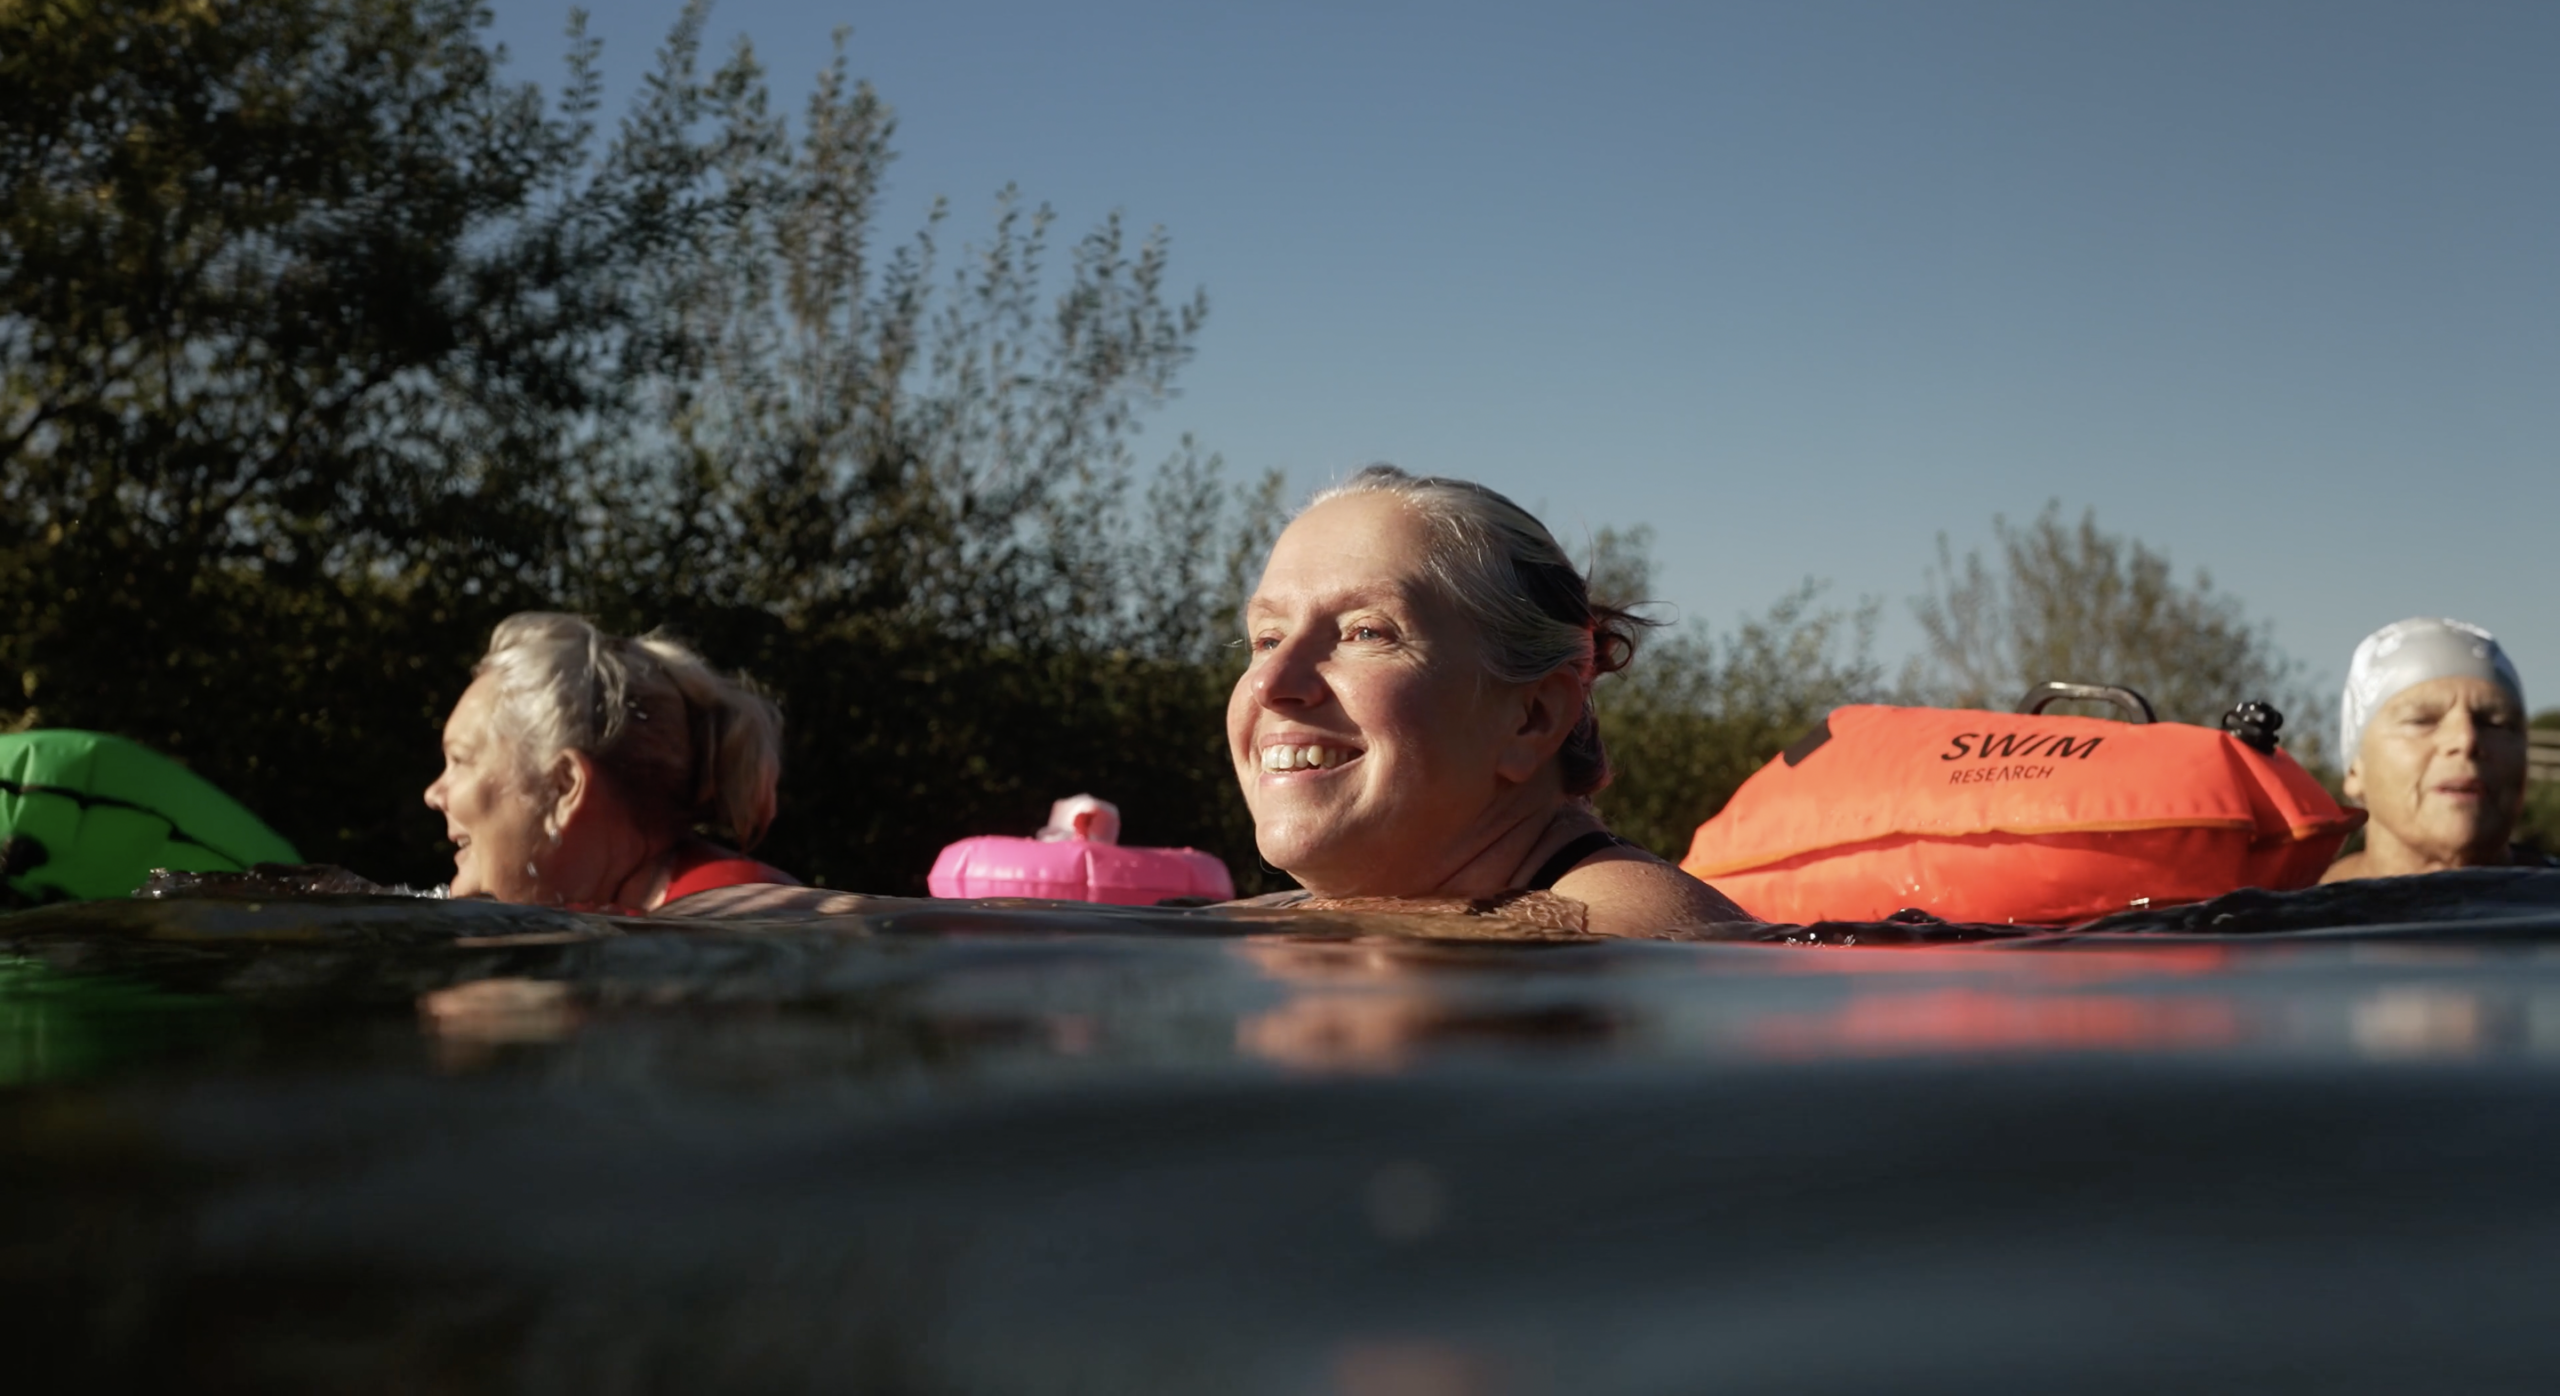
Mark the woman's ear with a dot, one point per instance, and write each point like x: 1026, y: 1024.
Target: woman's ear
x: 572, y: 791
x: 1543, y: 714
x: 2352, y: 783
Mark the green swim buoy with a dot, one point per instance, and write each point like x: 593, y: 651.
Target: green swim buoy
x: 85, y: 815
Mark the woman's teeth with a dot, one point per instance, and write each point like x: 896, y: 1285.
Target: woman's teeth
x: 1302, y: 758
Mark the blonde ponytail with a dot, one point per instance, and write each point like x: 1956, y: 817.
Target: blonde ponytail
x: 687, y: 745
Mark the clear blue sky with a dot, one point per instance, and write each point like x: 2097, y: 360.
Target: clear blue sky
x: 2274, y: 287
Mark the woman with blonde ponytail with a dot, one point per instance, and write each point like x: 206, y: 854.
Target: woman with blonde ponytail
x: 585, y: 769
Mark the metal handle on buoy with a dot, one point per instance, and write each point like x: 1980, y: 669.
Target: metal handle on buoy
x: 2055, y: 691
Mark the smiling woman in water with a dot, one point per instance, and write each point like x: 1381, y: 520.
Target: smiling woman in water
x: 1416, y: 717
x: 584, y: 769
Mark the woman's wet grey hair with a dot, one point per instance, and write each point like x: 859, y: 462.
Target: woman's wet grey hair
x: 686, y: 745
x: 1533, y: 607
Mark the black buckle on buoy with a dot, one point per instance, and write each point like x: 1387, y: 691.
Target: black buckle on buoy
x: 2255, y: 724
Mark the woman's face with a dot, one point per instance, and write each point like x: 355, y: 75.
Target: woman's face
x: 1366, y: 732
x: 492, y: 813
x: 2442, y: 768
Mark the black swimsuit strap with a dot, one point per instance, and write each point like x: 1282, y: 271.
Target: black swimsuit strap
x: 1571, y: 856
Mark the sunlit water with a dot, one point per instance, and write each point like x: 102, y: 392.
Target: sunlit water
x: 2303, y: 1143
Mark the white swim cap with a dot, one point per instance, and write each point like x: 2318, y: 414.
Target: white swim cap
x: 2407, y: 653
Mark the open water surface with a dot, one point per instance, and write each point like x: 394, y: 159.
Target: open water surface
x: 2307, y: 1143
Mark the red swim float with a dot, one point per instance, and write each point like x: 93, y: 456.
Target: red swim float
x: 1998, y: 817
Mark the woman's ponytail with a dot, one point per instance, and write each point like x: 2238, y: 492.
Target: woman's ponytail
x: 687, y: 745
x: 734, y: 741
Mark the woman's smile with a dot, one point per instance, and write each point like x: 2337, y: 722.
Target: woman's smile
x: 1301, y: 758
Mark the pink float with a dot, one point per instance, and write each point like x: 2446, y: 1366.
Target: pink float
x: 1078, y: 858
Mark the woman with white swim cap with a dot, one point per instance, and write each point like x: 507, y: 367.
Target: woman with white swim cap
x: 2432, y: 725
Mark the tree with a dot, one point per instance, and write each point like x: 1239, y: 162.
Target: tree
x: 321, y: 348
x: 299, y: 313
x: 2538, y: 827
x: 2081, y: 604
x: 1690, y: 720
x: 909, y: 506
x: 841, y: 438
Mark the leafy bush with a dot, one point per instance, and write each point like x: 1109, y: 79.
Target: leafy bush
x: 2539, y: 828
x: 321, y: 349
x: 2080, y: 604
x: 1696, y: 714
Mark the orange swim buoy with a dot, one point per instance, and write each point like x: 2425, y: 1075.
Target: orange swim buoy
x: 2000, y: 817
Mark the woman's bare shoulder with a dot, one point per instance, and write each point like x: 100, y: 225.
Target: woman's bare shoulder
x: 1633, y: 893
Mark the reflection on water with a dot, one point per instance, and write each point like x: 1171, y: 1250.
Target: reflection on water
x: 1419, y: 1367
x: 1374, y: 1004
x: 56, y: 1027
x: 2423, y: 1022
x: 469, y: 1021
x: 1975, y: 1020
x: 352, y: 1145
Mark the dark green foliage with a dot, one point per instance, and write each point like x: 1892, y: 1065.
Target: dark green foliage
x: 2539, y: 827
x: 293, y: 306
x: 1694, y: 716
x: 321, y: 349
x: 886, y: 767
x: 905, y: 506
